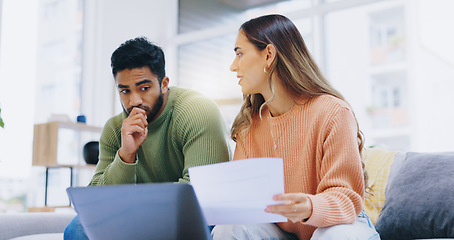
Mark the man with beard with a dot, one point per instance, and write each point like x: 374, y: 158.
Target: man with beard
x: 162, y: 130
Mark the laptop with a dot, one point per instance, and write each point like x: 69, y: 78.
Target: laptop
x: 143, y: 211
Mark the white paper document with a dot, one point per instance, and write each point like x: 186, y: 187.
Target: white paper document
x: 238, y: 192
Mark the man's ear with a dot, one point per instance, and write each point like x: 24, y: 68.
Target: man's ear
x: 165, y: 85
x: 270, y: 52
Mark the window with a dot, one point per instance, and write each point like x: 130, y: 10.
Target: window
x: 374, y: 57
x: 376, y: 53
x: 59, y: 75
x: 207, y: 34
x: 40, y: 73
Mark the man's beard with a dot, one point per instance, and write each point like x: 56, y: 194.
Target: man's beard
x: 154, y: 110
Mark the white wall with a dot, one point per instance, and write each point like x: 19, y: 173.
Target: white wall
x: 17, y: 80
x: 1, y: 10
x: 108, y: 24
x: 432, y: 64
x: 347, y: 68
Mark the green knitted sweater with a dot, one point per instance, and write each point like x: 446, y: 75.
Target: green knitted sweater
x: 189, y: 132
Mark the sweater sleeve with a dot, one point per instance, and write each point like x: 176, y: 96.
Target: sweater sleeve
x: 239, y: 153
x: 111, y: 169
x: 340, y: 193
x: 201, y: 134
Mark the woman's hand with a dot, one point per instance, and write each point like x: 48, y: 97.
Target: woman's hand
x: 296, y: 206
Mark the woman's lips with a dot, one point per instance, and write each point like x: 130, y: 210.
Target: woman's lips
x: 241, y: 78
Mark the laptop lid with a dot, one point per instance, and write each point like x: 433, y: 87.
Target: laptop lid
x: 142, y: 211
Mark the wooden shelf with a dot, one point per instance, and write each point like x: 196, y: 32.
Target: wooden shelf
x: 46, y: 142
x: 67, y: 137
x: 87, y: 166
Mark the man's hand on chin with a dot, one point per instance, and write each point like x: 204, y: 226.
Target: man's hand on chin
x: 134, y: 131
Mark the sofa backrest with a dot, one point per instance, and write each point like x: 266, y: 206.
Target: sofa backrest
x: 22, y: 224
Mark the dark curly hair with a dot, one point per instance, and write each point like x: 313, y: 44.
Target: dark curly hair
x: 137, y: 53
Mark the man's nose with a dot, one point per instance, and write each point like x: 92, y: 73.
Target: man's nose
x: 135, y: 99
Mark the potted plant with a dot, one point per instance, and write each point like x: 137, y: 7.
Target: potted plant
x: 2, y: 124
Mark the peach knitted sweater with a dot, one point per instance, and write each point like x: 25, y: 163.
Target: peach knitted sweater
x: 318, y: 142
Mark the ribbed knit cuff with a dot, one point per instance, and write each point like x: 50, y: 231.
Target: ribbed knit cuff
x: 124, y: 172
x: 319, y: 211
x: 324, y: 214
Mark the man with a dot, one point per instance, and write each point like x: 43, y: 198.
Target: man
x: 161, y: 132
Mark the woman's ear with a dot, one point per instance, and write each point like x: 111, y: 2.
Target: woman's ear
x: 270, y: 52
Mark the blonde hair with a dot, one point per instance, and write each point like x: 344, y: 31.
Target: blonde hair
x: 293, y: 65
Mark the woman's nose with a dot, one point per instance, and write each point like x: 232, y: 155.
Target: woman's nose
x: 233, y: 67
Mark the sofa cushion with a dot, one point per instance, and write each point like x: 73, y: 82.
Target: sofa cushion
x: 399, y: 159
x: 23, y: 224
x: 420, y: 199
x: 43, y: 236
x: 378, y: 166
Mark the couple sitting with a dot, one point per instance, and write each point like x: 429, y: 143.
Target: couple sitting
x: 290, y: 111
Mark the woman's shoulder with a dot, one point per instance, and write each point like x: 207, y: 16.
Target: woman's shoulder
x: 327, y: 101
x: 324, y: 107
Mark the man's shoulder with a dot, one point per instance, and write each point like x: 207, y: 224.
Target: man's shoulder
x: 183, y: 94
x: 116, y: 121
x: 187, y: 100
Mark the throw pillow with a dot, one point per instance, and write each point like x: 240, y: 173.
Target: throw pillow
x: 378, y: 164
x: 420, y: 199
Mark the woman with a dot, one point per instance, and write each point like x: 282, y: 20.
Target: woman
x: 292, y: 112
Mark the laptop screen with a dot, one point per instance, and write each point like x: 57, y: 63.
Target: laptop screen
x: 142, y: 211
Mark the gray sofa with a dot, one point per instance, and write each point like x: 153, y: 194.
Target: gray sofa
x: 417, y: 190
x: 34, y: 226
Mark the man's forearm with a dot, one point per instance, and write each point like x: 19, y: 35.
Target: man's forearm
x: 115, y: 172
